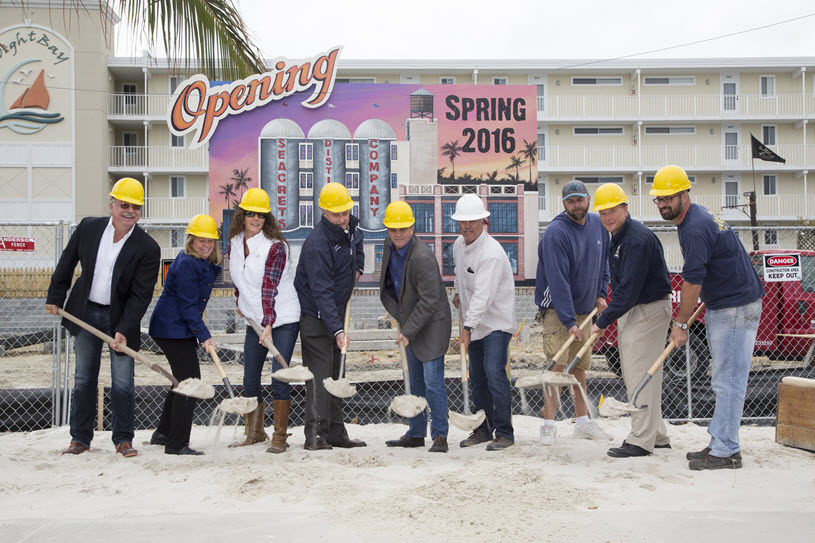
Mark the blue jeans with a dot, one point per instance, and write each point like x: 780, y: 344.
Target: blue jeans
x: 491, y: 388
x: 427, y: 380
x: 254, y: 355
x: 731, y: 334
x: 86, y: 378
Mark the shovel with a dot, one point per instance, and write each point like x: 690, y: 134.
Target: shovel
x: 407, y: 405
x: 556, y: 378
x: 342, y: 388
x: 287, y: 374
x: 239, y: 406
x: 466, y: 421
x: 194, y: 388
x: 532, y: 381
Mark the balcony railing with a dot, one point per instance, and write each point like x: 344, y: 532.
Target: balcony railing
x: 138, y: 105
x: 656, y: 156
x: 711, y: 105
x: 158, y: 158
x: 182, y: 209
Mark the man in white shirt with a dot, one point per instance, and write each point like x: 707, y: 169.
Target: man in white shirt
x: 120, y: 264
x: 485, y: 292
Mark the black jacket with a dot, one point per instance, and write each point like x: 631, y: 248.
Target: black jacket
x: 326, y: 271
x: 638, y: 271
x: 134, y: 275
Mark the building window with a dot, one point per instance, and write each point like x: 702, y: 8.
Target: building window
x: 175, y: 81
x: 423, y: 214
x: 177, y: 236
x: 129, y: 90
x: 767, y: 85
x: 673, y: 130
x: 597, y: 180
x: 177, y: 187
x: 306, y: 180
x: 770, y: 236
x: 511, y: 249
x: 448, y: 225
x: 352, y: 180
x: 394, y: 152
x: 355, y: 210
x: 306, y: 151
x: 355, y: 80
x: 176, y: 141
x: 352, y: 152
x: 431, y: 245
x: 597, y: 81
x: 672, y: 80
x: 503, y: 217
x: 770, y: 185
x: 597, y: 130
x: 649, y: 179
x: 306, y: 211
x: 448, y: 265
x: 499, y: 80
x: 768, y: 135
x: 393, y: 180
x: 447, y: 80
x: 130, y: 140
x: 541, y: 147
x: 378, y: 249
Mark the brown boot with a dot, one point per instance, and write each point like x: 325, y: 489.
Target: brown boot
x: 255, y: 430
x: 281, y: 424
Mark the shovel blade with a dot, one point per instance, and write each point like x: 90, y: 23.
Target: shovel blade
x: 340, y: 388
x: 467, y: 423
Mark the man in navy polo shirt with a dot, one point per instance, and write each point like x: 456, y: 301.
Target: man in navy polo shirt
x: 718, y: 269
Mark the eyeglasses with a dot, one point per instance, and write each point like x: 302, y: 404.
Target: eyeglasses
x: 128, y: 205
x: 251, y: 214
x: 665, y: 199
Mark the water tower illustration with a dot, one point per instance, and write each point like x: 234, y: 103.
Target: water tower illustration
x: 421, y: 104
x: 374, y: 137
x: 279, y: 143
x: 329, y: 137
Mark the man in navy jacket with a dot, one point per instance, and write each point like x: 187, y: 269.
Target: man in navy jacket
x: 331, y: 261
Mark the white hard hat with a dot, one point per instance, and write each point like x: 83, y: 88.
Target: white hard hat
x: 470, y: 208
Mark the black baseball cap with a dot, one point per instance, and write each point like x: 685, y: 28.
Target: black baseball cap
x: 575, y: 188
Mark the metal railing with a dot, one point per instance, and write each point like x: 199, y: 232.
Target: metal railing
x: 138, y: 105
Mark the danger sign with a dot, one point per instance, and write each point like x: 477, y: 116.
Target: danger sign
x: 22, y: 245
x: 784, y: 267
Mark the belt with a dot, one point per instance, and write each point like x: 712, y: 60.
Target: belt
x: 100, y: 306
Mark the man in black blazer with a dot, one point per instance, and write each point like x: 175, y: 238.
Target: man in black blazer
x: 120, y: 264
x: 411, y: 289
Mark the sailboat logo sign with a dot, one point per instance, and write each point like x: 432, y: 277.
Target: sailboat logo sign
x: 28, y: 114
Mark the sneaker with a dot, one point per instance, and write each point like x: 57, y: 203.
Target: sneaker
x: 548, y: 434
x: 590, y: 430
x: 76, y: 448
x: 126, y: 449
x: 439, y: 445
x: 715, y: 462
x: 478, y: 436
x: 500, y: 443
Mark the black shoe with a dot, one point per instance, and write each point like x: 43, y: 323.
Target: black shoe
x: 627, y: 450
x: 439, y: 445
x: 500, y: 443
x: 698, y: 455
x: 406, y: 441
x: 715, y: 462
x: 347, y: 443
x: 478, y: 436
x: 317, y: 446
x: 666, y: 446
x: 184, y: 451
x: 158, y: 438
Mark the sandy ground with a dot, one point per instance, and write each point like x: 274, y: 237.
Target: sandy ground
x: 571, y: 491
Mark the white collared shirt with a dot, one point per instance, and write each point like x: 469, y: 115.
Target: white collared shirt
x: 106, y: 257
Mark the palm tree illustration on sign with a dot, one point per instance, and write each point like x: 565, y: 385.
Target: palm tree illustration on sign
x: 241, y: 180
x: 530, y: 153
x: 227, y: 190
x: 515, y: 162
x: 452, y: 150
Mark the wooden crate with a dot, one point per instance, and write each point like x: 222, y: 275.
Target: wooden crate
x: 795, y: 418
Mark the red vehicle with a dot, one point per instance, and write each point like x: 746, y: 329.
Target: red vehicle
x: 788, y: 309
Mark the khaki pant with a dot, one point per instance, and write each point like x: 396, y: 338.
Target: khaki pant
x: 641, y: 337
x: 555, y: 335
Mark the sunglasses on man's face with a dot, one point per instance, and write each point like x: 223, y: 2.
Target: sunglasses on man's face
x: 128, y: 205
x: 251, y: 214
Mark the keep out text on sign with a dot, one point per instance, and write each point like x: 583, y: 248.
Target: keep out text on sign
x: 782, y: 267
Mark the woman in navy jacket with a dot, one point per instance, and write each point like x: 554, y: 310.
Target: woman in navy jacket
x: 177, y: 327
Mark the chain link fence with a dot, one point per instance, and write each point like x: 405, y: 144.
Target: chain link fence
x: 36, y: 366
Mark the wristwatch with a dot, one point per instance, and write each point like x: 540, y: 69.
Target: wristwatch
x: 681, y: 325
x: 469, y: 329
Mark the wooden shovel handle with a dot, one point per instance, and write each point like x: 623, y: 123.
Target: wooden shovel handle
x: 672, y: 344
x: 268, y: 343
x: 124, y: 348
x: 346, y: 322
x: 214, y: 355
x: 462, y: 350
x: 570, y: 339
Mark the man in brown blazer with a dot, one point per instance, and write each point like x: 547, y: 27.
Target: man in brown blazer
x: 412, y: 291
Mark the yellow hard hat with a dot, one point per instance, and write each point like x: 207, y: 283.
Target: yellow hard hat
x: 256, y: 200
x: 128, y: 190
x: 608, y: 196
x: 203, y: 226
x: 334, y: 198
x: 398, y: 215
x: 670, y: 180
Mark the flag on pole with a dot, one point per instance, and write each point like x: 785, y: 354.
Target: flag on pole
x: 762, y: 152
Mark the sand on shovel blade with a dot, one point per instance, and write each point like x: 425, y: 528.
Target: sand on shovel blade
x: 238, y: 405
x: 466, y: 422
x: 195, y: 388
x: 557, y: 378
x: 293, y: 374
x: 612, y: 407
x: 408, y: 405
x: 528, y: 381
x: 341, y: 388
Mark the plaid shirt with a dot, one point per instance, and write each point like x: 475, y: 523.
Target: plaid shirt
x: 275, y: 264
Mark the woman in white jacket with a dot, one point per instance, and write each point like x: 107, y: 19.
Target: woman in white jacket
x: 264, y: 287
